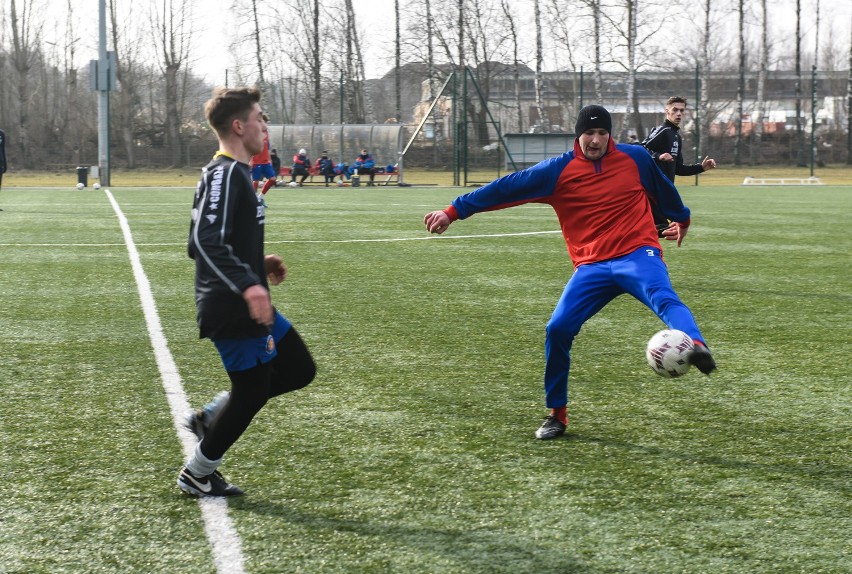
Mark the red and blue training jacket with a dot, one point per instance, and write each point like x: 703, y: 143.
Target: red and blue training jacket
x: 602, y: 205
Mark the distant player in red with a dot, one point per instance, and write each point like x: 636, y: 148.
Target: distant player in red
x: 261, y: 167
x: 602, y: 195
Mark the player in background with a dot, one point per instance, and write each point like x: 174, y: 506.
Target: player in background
x: 600, y: 194
x: 261, y: 168
x: 666, y: 147
x: 2, y: 157
x: 261, y: 351
x: 275, y: 159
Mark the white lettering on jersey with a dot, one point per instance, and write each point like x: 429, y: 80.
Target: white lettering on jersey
x: 216, y: 188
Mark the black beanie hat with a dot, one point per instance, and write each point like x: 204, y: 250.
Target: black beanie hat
x: 591, y: 117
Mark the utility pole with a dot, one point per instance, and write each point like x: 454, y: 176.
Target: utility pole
x: 103, y: 78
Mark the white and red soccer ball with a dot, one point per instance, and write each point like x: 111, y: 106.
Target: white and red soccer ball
x: 668, y: 352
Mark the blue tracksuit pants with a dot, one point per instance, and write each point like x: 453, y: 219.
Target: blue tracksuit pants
x: 642, y: 274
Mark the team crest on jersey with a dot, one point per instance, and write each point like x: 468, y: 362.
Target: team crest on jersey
x: 270, y: 345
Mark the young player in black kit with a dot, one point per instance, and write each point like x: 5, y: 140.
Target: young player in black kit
x: 262, y: 353
x: 666, y: 147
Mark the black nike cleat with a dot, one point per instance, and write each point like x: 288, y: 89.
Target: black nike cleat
x: 211, y: 485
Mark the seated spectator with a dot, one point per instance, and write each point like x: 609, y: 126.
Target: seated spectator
x: 301, y: 166
x: 364, y: 164
x: 325, y: 166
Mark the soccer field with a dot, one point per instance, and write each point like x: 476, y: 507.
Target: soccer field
x: 413, y: 449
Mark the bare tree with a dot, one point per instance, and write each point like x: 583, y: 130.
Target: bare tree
x: 761, y: 85
x: 258, y: 42
x: 563, y: 30
x: 597, y: 18
x: 632, y: 51
x: 738, y: 140
x: 487, y: 48
x: 849, y: 106
x: 430, y: 49
x: 353, y: 68
x: 172, y: 31
x: 27, y: 26
x: 800, y: 136
x: 125, y: 42
x: 632, y: 104
x: 513, y: 38
x: 398, y: 67
x: 544, y: 121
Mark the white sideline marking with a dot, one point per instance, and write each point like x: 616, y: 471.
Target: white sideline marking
x: 226, y: 546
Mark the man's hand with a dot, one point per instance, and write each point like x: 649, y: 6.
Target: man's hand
x: 259, y: 304
x: 437, y: 222
x: 665, y: 157
x: 275, y: 269
x: 708, y: 163
x: 675, y: 231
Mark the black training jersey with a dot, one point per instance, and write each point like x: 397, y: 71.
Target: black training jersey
x: 226, y: 242
x: 666, y: 139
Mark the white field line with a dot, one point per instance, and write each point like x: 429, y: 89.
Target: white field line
x: 226, y: 546
x: 280, y: 241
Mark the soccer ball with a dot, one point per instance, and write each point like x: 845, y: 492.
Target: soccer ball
x: 293, y: 184
x: 80, y: 185
x: 96, y: 186
x: 667, y: 352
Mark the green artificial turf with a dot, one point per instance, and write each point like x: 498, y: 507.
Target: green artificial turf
x: 413, y: 449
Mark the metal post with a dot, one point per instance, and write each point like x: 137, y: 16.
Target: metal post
x: 103, y: 97
x: 813, y: 117
x: 455, y: 129
x: 463, y: 124
x: 697, y: 117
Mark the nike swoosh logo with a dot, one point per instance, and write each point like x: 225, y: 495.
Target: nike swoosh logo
x: 593, y: 118
x: 203, y: 487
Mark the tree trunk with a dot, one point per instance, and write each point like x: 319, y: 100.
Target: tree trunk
x: 596, y: 9
x: 761, y: 86
x: 704, y: 93
x: 516, y: 77
x: 24, y: 39
x: 631, y: 104
x: 849, y: 106
x: 738, y: 140
x: 398, y: 67
x: 258, y: 45
x: 543, y: 120
x: 800, y: 139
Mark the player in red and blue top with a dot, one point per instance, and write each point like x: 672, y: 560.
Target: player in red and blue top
x: 602, y: 194
x: 261, y: 168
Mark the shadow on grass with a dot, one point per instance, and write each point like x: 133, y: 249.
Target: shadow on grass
x: 476, y: 549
